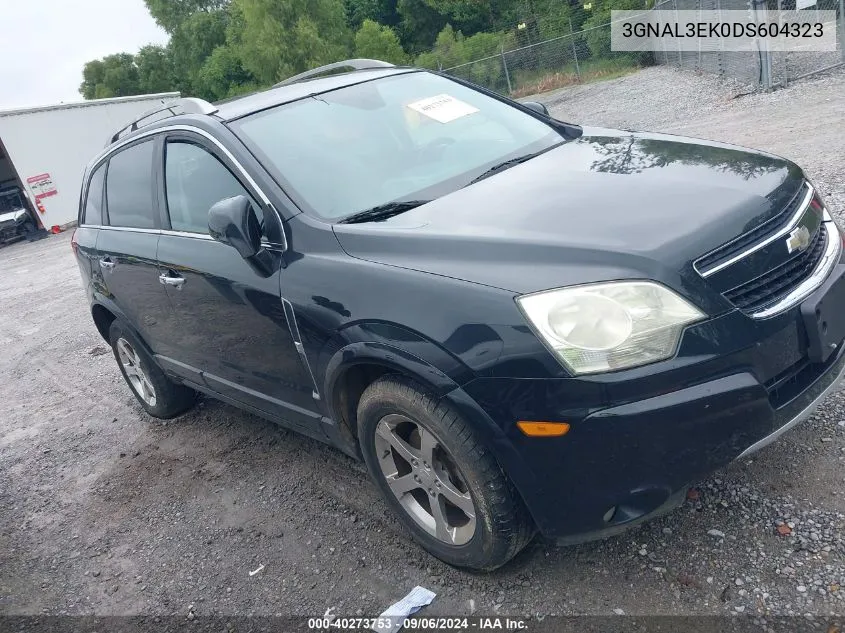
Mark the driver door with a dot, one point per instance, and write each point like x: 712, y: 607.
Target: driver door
x: 229, y: 323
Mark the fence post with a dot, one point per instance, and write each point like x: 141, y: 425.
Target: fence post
x: 575, y: 51
x: 505, y: 66
x: 700, y: 10
x: 759, y: 13
x: 720, y: 55
x: 784, y: 53
x: 842, y: 27
x: 680, y: 57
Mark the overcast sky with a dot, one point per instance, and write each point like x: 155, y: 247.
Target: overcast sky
x: 45, y: 43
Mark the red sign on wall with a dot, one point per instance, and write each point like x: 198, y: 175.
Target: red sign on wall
x: 42, y: 187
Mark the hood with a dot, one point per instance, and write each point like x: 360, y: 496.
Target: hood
x: 608, y: 205
x: 12, y: 216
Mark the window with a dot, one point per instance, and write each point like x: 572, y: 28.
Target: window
x: 195, y: 180
x: 94, y: 200
x: 129, y: 187
x: 411, y: 136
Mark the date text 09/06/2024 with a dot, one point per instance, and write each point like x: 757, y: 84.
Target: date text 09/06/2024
x: 387, y: 623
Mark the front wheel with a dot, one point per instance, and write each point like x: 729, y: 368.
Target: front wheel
x: 440, y: 480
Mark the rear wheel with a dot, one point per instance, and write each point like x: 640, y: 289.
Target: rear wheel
x: 157, y: 394
x: 441, y: 481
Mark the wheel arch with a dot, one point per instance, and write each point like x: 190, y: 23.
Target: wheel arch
x: 105, y: 312
x: 103, y: 318
x: 356, y: 366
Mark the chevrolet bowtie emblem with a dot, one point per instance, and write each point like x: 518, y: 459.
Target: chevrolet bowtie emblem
x: 798, y: 240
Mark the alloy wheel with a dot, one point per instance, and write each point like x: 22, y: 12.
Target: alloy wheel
x: 425, y: 479
x: 134, y: 372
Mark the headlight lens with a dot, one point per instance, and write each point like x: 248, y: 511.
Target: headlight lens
x: 609, y: 326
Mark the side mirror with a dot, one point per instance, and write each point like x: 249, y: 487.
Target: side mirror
x: 233, y: 222
x: 538, y: 107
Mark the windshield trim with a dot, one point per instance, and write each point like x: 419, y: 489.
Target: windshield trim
x: 460, y: 180
x: 311, y: 95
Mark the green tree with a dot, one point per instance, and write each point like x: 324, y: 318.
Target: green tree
x: 280, y: 38
x: 375, y: 41
x: 155, y: 70
x: 381, y: 11
x: 192, y: 43
x: 419, y: 25
x: 598, y: 39
x: 112, y: 76
x: 171, y: 14
x: 223, y: 75
x: 453, y: 49
x: 468, y: 17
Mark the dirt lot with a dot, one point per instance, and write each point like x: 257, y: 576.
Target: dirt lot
x: 107, y: 511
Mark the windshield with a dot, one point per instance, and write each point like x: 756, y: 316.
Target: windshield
x: 10, y: 201
x: 414, y: 136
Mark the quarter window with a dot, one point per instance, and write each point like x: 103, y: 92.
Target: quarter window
x: 94, y: 200
x: 195, y: 180
x: 129, y: 187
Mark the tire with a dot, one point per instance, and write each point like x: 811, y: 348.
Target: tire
x: 156, y: 393
x: 439, y: 468
x: 29, y: 230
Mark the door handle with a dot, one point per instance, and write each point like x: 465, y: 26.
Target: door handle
x: 107, y: 264
x: 167, y: 280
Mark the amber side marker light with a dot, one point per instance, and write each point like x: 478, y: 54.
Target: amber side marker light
x: 543, y: 429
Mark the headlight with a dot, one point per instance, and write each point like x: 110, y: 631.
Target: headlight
x: 609, y: 326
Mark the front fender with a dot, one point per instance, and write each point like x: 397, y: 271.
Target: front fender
x: 443, y: 387
x: 393, y: 346
x: 385, y: 355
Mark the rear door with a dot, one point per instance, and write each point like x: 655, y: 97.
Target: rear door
x: 128, y: 241
x: 85, y: 237
x: 229, y: 319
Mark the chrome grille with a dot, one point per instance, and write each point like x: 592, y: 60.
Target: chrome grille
x: 778, y: 282
x: 774, y: 267
x: 758, y: 234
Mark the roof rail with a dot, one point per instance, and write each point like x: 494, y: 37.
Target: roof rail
x: 354, y: 64
x: 186, y: 105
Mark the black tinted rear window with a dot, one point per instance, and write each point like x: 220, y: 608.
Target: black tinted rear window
x: 129, y: 187
x: 94, y: 201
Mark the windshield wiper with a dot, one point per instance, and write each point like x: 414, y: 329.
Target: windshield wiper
x: 495, y: 169
x: 383, y: 211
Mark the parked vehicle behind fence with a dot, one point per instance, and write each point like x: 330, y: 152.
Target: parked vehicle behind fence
x: 519, y: 324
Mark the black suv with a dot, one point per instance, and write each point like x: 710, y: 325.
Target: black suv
x: 519, y: 324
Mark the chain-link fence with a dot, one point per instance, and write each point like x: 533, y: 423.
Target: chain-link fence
x: 580, y: 54
x: 792, y: 65
x: 576, y: 57
x: 765, y: 69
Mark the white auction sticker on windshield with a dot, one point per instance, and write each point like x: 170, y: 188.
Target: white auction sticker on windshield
x: 443, y: 108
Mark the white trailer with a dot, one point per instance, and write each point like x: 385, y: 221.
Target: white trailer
x: 44, y: 150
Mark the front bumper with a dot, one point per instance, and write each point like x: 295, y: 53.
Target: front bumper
x: 628, y: 458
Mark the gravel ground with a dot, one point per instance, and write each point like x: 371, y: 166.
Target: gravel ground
x: 106, y: 511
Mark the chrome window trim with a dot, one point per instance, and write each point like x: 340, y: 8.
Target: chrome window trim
x: 130, y: 229
x: 832, y: 252
x: 181, y: 127
x: 197, y: 236
x: 189, y: 234
x: 796, y: 218
x: 113, y: 149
